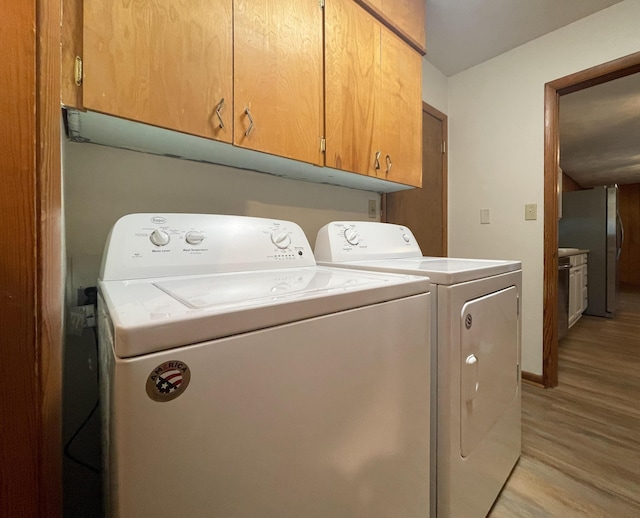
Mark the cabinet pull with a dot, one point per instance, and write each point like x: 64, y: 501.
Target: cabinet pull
x: 376, y: 162
x: 389, y: 164
x: 250, y: 128
x: 218, y: 110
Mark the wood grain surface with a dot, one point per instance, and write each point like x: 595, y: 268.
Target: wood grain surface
x: 352, y: 86
x: 629, y: 207
x: 424, y: 210
x: 581, y: 440
x: 168, y: 63
x: 71, y: 47
x: 277, y: 50
x: 49, y: 258
x: 19, y: 403
x: 399, y: 131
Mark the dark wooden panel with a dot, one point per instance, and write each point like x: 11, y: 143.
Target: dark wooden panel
x: 18, y: 385
x: 424, y: 210
x: 629, y: 207
x: 49, y: 259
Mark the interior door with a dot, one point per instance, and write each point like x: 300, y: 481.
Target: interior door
x: 424, y: 210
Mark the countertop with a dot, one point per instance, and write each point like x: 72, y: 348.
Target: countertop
x: 566, y: 252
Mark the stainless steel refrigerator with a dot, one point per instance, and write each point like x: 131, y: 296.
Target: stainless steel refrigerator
x: 590, y: 220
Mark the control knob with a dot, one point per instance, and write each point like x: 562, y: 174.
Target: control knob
x: 281, y: 238
x: 159, y: 237
x: 406, y: 238
x: 352, y: 236
x: 193, y: 237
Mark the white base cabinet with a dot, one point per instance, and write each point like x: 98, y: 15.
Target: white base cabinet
x: 577, y: 287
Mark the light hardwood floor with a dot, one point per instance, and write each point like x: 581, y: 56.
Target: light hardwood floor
x: 581, y: 440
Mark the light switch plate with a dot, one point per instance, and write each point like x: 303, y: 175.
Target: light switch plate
x: 373, y: 209
x: 485, y: 216
x: 531, y: 211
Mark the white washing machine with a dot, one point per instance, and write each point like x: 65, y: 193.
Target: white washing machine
x: 239, y: 379
x: 476, y: 337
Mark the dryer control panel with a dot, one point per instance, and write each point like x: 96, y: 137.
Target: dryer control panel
x: 341, y: 241
x: 143, y: 246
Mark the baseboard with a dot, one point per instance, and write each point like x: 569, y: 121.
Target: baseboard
x: 534, y: 379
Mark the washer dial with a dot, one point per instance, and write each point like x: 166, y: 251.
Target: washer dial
x: 352, y: 236
x: 281, y: 238
x: 159, y: 237
x: 194, y: 237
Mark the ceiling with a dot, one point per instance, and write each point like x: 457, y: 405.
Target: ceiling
x: 600, y: 133
x: 463, y: 33
x: 599, y: 126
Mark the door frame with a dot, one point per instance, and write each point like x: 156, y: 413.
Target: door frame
x: 593, y: 76
x: 30, y: 173
x: 437, y: 114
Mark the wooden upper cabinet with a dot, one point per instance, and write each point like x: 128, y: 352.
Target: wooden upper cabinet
x: 278, y: 49
x: 352, y: 84
x: 405, y: 17
x: 373, y: 97
x: 166, y: 63
x: 400, y: 130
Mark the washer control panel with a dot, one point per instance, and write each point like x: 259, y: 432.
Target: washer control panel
x: 161, y: 245
x: 341, y: 241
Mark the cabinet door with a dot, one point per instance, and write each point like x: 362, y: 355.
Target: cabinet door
x: 408, y: 16
x: 167, y: 63
x: 399, y: 131
x: 573, y: 300
x: 352, y: 85
x: 278, y: 77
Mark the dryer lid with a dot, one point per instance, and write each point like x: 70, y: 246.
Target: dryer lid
x: 441, y: 270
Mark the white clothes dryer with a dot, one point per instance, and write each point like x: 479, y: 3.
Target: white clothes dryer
x: 240, y: 379
x: 476, y: 341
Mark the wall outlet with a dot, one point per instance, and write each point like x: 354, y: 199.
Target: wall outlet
x: 81, y: 317
x: 373, y: 209
x: 531, y: 211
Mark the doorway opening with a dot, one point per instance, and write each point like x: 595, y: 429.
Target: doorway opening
x: 553, y: 90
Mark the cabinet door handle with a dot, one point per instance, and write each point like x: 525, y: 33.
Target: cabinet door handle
x: 376, y: 161
x: 218, y: 110
x: 389, y: 164
x: 250, y: 128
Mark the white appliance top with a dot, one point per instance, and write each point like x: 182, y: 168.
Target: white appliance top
x: 245, y: 274
x: 393, y: 248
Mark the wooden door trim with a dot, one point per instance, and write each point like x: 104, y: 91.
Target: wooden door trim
x: 437, y: 114
x: 553, y: 90
x: 49, y: 274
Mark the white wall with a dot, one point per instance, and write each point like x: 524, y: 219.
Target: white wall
x: 434, y: 87
x: 101, y: 184
x: 496, y: 145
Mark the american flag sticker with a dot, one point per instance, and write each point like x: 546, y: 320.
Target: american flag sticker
x: 168, y: 380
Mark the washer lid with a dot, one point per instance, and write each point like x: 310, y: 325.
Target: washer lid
x: 441, y: 270
x: 159, y: 314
